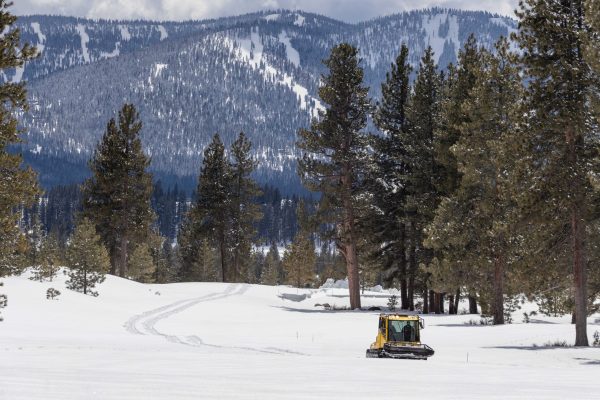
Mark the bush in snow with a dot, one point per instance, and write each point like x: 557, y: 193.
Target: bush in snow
x: 392, y: 302
x: 3, y: 301
x: 48, y: 259
x: 596, y: 342
x: 52, y: 294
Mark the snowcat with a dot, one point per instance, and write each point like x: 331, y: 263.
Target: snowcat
x: 399, y: 336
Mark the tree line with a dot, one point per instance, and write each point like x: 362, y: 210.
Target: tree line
x: 483, y: 178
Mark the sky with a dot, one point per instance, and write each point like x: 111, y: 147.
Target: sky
x: 346, y: 10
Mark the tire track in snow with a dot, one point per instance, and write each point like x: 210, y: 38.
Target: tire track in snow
x: 145, y: 323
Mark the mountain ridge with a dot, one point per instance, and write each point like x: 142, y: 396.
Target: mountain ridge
x: 257, y: 72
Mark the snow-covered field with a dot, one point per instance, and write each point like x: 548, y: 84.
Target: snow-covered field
x: 236, y: 341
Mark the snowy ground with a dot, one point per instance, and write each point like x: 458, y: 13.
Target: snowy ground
x: 235, y: 341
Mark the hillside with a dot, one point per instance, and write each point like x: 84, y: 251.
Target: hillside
x: 258, y: 73
x: 213, y: 340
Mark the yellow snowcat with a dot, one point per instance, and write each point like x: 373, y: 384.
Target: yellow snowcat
x: 399, y: 336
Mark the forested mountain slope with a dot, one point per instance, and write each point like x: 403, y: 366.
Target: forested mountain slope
x: 257, y: 73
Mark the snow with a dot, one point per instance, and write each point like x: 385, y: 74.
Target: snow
x: 158, y: 68
x: 41, y: 37
x: 238, y: 341
x: 272, y: 17
x: 431, y: 25
x: 250, y: 50
x: 125, y: 35
x: 292, y: 54
x: 163, y: 32
x: 113, y: 53
x: 18, y: 74
x: 84, y: 41
x: 299, y: 20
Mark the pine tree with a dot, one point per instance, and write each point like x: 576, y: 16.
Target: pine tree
x: 561, y: 141
x: 299, y: 260
x: 244, y: 212
x: 209, y: 217
x: 422, y: 197
x: 271, y: 270
x: 388, y: 219
x: 335, y: 153
x: 456, y: 91
x: 49, y: 259
x: 459, y: 83
x: 141, y: 266
x: 117, y: 196
x: 87, y: 259
x: 472, y: 226
x: 18, y: 186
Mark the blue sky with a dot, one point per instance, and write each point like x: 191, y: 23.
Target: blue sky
x: 347, y: 10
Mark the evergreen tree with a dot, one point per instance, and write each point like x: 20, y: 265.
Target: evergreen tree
x: 49, y: 259
x: 335, y: 153
x: 389, y: 181
x: 422, y: 176
x: 561, y: 140
x: 455, y: 92
x: 166, y: 264
x: 209, y: 217
x: 299, y: 260
x: 271, y: 270
x: 87, y: 259
x: 18, y: 186
x: 244, y: 212
x: 472, y: 226
x: 141, y: 265
x: 117, y: 196
x: 458, y: 86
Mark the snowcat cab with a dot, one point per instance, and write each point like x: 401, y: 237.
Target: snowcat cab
x: 399, y: 336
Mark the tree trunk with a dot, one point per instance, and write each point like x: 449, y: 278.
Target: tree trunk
x: 412, y: 266
x: 498, y: 302
x: 432, y: 303
x: 425, y: 301
x: 123, y: 256
x: 441, y: 305
x: 222, y: 253
x: 451, y: 310
x: 114, y: 261
x: 457, y: 300
x: 579, y: 277
x: 472, y: 305
x: 349, y: 239
x: 85, y: 284
x: 402, y: 265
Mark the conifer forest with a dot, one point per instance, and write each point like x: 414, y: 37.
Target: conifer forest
x: 445, y: 161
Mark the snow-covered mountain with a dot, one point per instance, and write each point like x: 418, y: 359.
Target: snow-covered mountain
x: 257, y: 73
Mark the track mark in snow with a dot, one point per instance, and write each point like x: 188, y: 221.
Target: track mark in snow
x: 163, y: 33
x: 145, y: 323
x: 125, y: 35
x: 41, y: 37
x: 84, y: 41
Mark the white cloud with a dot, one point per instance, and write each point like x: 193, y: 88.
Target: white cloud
x: 347, y: 10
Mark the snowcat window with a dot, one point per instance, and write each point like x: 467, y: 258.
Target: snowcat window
x: 403, y: 331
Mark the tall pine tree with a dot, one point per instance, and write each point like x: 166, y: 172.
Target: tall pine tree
x: 472, y: 225
x: 209, y: 218
x: 117, y: 196
x: 561, y: 141
x: 244, y: 212
x: 334, y: 157
x: 18, y: 186
x: 388, y: 221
